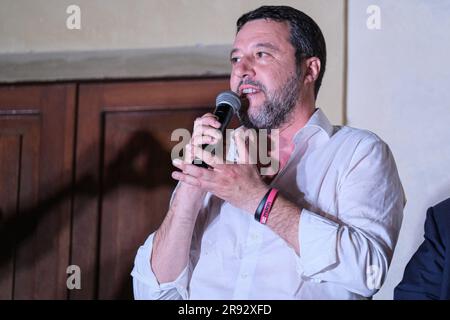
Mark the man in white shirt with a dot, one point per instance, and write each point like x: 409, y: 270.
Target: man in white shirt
x: 329, y: 232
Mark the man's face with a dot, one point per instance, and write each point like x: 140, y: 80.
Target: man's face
x: 264, y: 71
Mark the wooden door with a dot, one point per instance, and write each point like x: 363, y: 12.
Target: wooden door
x: 123, y: 168
x: 36, y: 156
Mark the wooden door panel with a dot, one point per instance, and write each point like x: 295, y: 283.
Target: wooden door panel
x: 9, y: 177
x: 21, y: 136
x: 36, y: 153
x: 136, y: 207
x: 123, y: 149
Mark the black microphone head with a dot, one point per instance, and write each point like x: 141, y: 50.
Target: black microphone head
x: 230, y: 98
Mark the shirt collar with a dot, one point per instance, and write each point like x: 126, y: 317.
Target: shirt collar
x: 317, y: 121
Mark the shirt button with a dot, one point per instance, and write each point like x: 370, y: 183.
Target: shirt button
x: 244, y: 275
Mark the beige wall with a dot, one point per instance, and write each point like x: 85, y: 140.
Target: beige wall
x: 40, y: 26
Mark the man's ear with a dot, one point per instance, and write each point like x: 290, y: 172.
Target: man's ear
x: 312, y: 69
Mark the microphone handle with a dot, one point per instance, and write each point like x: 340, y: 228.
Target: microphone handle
x: 224, y: 113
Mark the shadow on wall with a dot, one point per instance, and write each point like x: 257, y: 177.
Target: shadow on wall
x: 140, y: 149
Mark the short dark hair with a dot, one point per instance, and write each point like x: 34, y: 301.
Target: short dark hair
x: 306, y: 36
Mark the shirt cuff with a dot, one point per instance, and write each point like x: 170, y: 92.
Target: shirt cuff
x: 317, y: 242
x: 147, y: 286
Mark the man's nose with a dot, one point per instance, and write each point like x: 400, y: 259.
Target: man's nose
x: 244, y: 69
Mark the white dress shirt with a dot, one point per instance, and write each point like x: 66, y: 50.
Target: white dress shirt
x: 347, y: 232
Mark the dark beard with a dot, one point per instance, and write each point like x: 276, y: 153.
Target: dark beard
x: 276, y: 109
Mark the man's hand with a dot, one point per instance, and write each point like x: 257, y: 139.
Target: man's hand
x: 238, y: 183
x: 206, y: 131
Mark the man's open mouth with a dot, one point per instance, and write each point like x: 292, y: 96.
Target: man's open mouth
x: 247, y: 89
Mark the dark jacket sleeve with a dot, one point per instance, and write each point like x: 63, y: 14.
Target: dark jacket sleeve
x: 426, y: 276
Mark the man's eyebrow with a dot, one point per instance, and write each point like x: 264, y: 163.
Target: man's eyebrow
x: 258, y: 45
x: 267, y: 45
x: 233, y: 51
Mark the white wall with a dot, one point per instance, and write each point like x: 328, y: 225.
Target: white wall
x: 398, y: 87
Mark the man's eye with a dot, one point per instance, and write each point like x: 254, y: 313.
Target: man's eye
x: 261, y: 54
x: 235, y: 59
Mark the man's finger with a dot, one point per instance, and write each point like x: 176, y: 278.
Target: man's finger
x: 208, y: 120
x: 208, y: 137
x: 180, y: 176
x: 206, y: 156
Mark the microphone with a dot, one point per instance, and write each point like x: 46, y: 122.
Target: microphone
x: 227, y: 104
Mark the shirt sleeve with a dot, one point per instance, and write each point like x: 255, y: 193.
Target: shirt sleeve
x: 355, y: 249
x: 145, y: 284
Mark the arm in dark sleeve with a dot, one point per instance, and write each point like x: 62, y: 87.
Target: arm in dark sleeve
x: 423, y: 275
